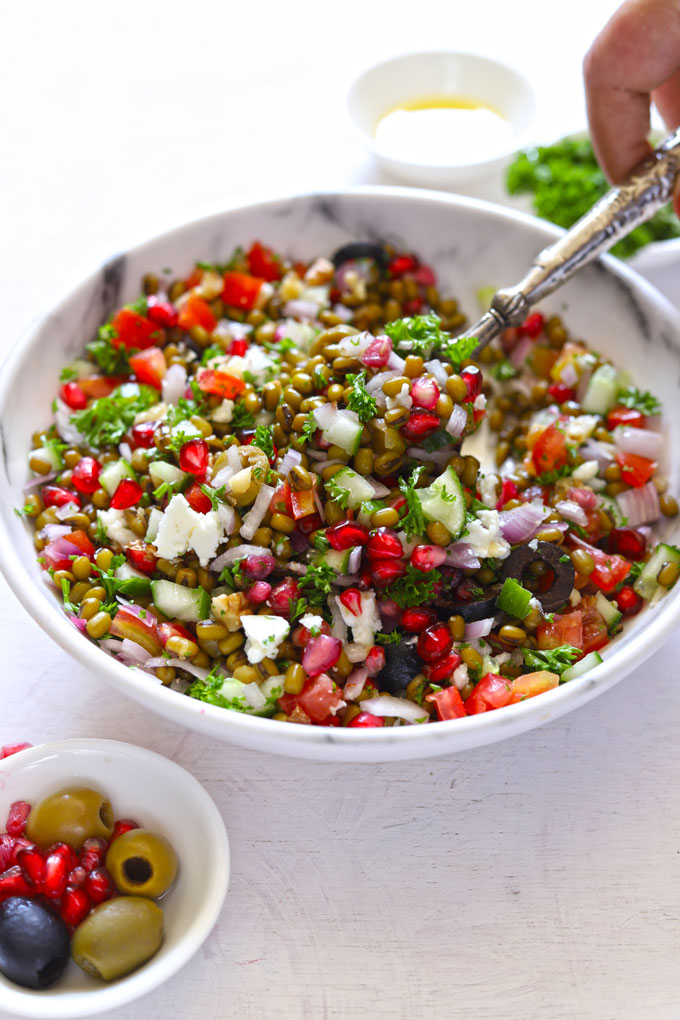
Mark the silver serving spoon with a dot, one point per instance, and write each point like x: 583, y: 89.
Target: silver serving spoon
x: 637, y: 199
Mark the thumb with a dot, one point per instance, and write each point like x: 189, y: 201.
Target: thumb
x: 676, y: 196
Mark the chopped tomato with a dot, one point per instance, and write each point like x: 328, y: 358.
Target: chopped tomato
x: 635, y: 470
x: 550, y: 450
x: 264, y: 263
x: 565, y: 629
x: 533, y: 325
x: 508, y: 491
x: 531, y: 684
x: 138, y: 625
x: 281, y: 501
x: 73, y: 395
x: 142, y: 555
x: 59, y: 554
x: 448, y: 703
x: 194, y: 278
x: 626, y: 416
x: 491, y: 692
x: 197, y: 499
x: 561, y: 393
x: 241, y: 290
x: 57, y: 495
x: 610, y: 569
x: 595, y: 634
x: 164, y: 631
x: 401, y: 264
x: 162, y: 312
x: 302, y: 503
x: 220, y: 383
x: 196, y: 312
x: 149, y: 366
x: 134, y: 330
x: 318, y: 699
x: 97, y: 386
x: 309, y: 524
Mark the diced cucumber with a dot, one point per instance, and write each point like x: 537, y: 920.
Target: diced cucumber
x: 345, y: 432
x: 514, y: 599
x: 582, y: 666
x: 241, y: 695
x: 160, y: 471
x: 155, y: 518
x: 111, y: 475
x: 180, y: 603
x: 355, y: 485
x: 608, y: 611
x: 647, y: 583
x: 338, y: 559
x: 444, y: 501
x: 600, y: 396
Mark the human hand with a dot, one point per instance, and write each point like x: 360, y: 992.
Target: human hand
x: 633, y: 62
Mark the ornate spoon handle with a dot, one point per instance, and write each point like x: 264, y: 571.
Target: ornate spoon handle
x: 642, y: 194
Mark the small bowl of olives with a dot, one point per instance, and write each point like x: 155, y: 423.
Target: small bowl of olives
x: 114, y: 865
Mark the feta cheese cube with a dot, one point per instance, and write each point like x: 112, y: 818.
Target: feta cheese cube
x: 484, y: 536
x: 264, y: 634
x: 182, y: 529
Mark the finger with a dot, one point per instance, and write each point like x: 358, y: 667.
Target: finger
x: 676, y: 197
x: 635, y: 52
x: 666, y: 98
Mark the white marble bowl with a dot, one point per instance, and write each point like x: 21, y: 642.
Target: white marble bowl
x: 471, y: 244
x: 160, y: 796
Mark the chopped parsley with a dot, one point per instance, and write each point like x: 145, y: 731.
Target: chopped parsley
x: 414, y: 588
x: 556, y: 660
x: 129, y: 587
x: 418, y: 334
x: 550, y: 477
x: 241, y: 418
x: 107, y: 419
x: 68, y: 375
x: 316, y: 583
x: 413, y: 522
x: 216, y: 496
x: 639, y: 400
x: 264, y: 440
x: 503, y: 370
x: 111, y: 360
x: 360, y: 400
x: 308, y: 429
x: 321, y: 543
x: 337, y: 492
x: 66, y: 593
x: 383, y: 638
x: 459, y: 351
x: 209, y: 353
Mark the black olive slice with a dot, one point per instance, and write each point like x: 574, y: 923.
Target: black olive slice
x: 482, y: 609
x: 360, y: 250
x: 563, y: 583
x: 402, y: 663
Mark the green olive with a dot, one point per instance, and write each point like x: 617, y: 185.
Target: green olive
x: 117, y: 937
x: 142, y: 863
x: 71, y: 815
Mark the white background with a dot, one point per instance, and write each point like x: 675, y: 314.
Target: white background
x: 535, y: 878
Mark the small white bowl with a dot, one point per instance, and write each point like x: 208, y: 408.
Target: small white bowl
x: 161, y: 796
x: 403, y: 79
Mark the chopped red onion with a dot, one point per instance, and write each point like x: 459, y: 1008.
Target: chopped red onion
x: 319, y: 505
x: 360, y: 269
x: 595, y: 449
x: 227, y: 517
x: 297, y: 568
x: 174, y: 383
x: 62, y: 419
x: 317, y: 454
x: 642, y: 442
x: 39, y: 480
x: 345, y: 580
x: 396, y: 363
x: 379, y: 490
x: 436, y: 456
x: 521, y: 523
x: 298, y: 308
x: 232, y: 330
x: 79, y: 624
x: 253, y: 519
x: 640, y: 506
x: 478, y: 628
x: 518, y: 354
x: 291, y: 459
x: 356, y: 344
x: 569, y: 375
x: 343, y: 312
x: 398, y: 708
x: 436, y: 368
x: 128, y: 651
x: 254, y: 696
x: 455, y: 426
x: 325, y: 415
x: 571, y: 511
x: 354, y: 561
x: 376, y: 383
x: 320, y: 465
x: 66, y: 511
x: 234, y: 458
x: 583, y: 383
x: 223, y: 476
x: 356, y: 652
x: 586, y: 498
x: 54, y: 531
x: 354, y: 684
x: 125, y: 450
x: 238, y: 552
x: 160, y: 662
x: 461, y: 555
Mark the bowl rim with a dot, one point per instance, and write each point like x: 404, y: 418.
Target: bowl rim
x: 518, y: 139
x: 303, y: 741
x: 85, y: 1002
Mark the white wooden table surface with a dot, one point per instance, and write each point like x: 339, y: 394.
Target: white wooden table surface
x: 535, y: 878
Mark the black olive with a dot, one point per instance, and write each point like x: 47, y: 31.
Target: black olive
x: 360, y: 250
x: 560, y: 590
x: 35, y: 946
x: 448, y: 606
x: 402, y: 663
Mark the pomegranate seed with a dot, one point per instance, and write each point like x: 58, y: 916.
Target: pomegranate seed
x: 93, y: 851
x: 55, y: 495
x: 347, y: 534
x: 427, y: 557
x: 77, y: 876
x: 301, y: 635
x: 142, y: 556
x: 413, y: 306
x: 66, y: 852
x: 364, y: 720
x: 377, y: 354
x: 193, y: 457
x: 561, y: 393
x: 73, y: 396
x: 628, y: 601
x: 351, y: 600
x: 13, y: 883
x: 425, y: 276
x: 75, y: 906
x: 628, y: 542
x: 473, y: 379
x: 16, y: 819
x: 128, y: 493
x: 306, y: 525
x: 384, y: 544
x: 322, y: 653
x: 425, y: 393
x: 122, y: 826
x: 9, y: 749
x: 32, y: 863
x: 390, y: 613
x: 56, y: 876
x: 257, y: 566
x: 7, y: 851
x: 161, y: 312
x: 365, y: 580
x: 86, y: 475
x: 385, y: 572
x: 375, y: 660
x: 197, y: 499
x: 533, y: 325
x: 508, y: 491
x: 238, y: 347
x: 401, y: 264
x: 99, y: 885
x: 284, y: 596
x: 143, y: 434
x: 420, y: 425
x: 444, y: 668
x: 415, y: 620
x: 259, y: 593
x: 435, y: 642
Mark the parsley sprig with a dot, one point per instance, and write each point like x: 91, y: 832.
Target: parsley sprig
x: 556, y: 660
x: 639, y: 400
x: 107, y: 419
x: 316, y: 583
x: 414, y: 588
x: 418, y: 334
x: 360, y: 400
x: 413, y: 521
x: 264, y: 440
